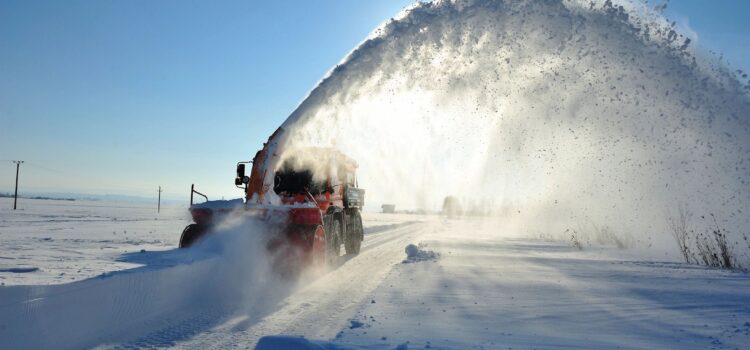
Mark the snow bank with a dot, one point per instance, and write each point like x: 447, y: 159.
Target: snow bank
x: 176, y: 294
x: 280, y: 342
x: 285, y: 342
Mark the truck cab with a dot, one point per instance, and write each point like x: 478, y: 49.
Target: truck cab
x: 326, y: 177
x: 313, y: 190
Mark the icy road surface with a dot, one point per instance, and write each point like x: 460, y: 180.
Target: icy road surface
x: 484, y: 288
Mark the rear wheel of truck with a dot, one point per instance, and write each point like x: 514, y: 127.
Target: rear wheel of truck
x: 191, y: 234
x: 333, y: 242
x: 318, y: 249
x: 354, y: 233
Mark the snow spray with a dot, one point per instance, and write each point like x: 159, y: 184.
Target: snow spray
x: 228, y: 273
x: 555, y: 113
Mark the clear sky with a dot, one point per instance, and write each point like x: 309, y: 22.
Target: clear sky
x: 124, y: 96
x: 721, y: 26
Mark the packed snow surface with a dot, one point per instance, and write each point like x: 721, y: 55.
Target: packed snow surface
x: 490, y: 288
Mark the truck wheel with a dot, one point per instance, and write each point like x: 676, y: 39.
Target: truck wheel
x: 354, y: 234
x: 318, y: 247
x: 191, y: 234
x: 333, y: 249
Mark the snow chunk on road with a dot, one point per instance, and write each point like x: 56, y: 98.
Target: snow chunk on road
x: 418, y: 253
x: 356, y: 324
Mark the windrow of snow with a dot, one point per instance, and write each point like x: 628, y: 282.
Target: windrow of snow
x: 173, y: 296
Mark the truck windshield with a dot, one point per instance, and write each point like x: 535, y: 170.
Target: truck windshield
x: 296, y: 181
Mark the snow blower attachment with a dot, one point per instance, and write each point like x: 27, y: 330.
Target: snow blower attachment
x: 308, y: 198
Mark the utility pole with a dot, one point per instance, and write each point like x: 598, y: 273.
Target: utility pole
x: 15, y: 196
x: 158, y: 208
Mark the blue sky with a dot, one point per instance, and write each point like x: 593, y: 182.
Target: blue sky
x: 124, y: 96
x: 721, y: 26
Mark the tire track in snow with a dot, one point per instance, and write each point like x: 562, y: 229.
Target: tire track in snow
x: 161, y: 306
x: 321, y: 309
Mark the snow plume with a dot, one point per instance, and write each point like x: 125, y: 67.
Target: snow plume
x: 556, y: 113
x: 244, y: 275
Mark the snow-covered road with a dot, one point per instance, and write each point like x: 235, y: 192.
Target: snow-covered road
x: 176, y: 296
x: 321, y: 309
x: 486, y: 288
x: 490, y: 292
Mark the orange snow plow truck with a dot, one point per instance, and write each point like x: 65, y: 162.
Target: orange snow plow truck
x: 308, y: 196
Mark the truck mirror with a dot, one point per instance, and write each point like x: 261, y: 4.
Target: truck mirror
x: 240, y: 170
x: 237, y: 181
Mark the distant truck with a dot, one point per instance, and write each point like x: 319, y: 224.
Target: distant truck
x: 312, y: 195
x: 388, y: 208
x: 452, y: 207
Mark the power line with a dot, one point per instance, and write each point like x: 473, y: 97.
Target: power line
x: 42, y: 167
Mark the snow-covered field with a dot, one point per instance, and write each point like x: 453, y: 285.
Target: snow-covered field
x: 484, y: 287
x: 55, y: 241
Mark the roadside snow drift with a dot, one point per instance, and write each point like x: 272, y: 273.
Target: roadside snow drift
x: 175, y: 295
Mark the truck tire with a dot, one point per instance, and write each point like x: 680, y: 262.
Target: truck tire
x: 191, y: 234
x: 333, y: 241
x: 354, y: 233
